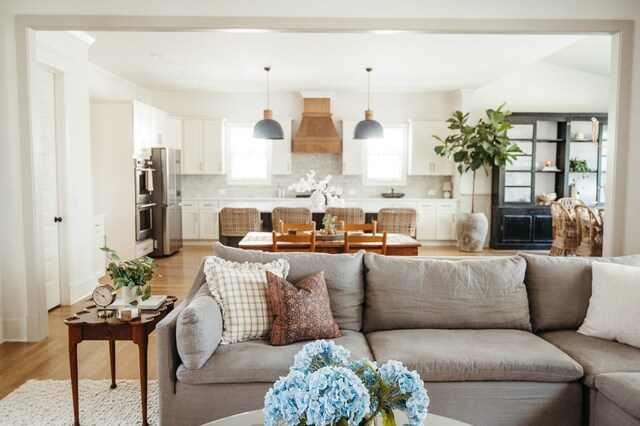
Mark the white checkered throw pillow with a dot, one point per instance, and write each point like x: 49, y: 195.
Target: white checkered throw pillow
x: 243, y: 296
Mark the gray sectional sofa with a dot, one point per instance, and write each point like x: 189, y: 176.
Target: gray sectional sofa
x: 494, y: 339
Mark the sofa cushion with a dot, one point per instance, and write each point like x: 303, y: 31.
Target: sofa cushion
x: 474, y: 355
x: 623, y: 389
x: 198, y: 329
x: 302, y: 310
x: 257, y: 361
x: 436, y: 293
x: 614, y: 307
x: 243, y: 296
x: 559, y: 289
x: 343, y: 274
x: 597, y: 356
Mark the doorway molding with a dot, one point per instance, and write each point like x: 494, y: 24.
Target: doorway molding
x: 622, y: 32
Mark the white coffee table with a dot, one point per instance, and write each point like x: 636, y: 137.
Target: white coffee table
x: 256, y: 418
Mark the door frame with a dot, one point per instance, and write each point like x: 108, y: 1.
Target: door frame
x: 622, y: 32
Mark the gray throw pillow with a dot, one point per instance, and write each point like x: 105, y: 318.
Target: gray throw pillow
x: 559, y: 288
x: 199, y: 329
x: 436, y: 293
x: 343, y: 274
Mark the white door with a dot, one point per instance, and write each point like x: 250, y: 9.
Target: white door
x: 48, y: 182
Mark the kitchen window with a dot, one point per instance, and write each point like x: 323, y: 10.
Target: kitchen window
x: 385, y: 159
x: 248, y: 159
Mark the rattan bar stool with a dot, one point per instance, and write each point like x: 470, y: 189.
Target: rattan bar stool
x: 236, y: 222
x: 397, y: 221
x: 348, y: 215
x: 289, y: 215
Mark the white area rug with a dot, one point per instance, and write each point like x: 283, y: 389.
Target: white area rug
x: 49, y: 403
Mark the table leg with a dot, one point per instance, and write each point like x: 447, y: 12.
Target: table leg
x: 142, y: 340
x: 74, y: 339
x: 112, y: 359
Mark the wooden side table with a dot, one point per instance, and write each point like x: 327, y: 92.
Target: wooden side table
x: 86, y: 325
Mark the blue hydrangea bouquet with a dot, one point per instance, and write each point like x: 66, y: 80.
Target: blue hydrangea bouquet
x: 324, y: 387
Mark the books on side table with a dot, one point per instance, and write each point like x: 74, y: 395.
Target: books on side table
x: 152, y: 303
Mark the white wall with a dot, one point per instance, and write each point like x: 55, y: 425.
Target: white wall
x: 107, y: 86
x: 15, y: 160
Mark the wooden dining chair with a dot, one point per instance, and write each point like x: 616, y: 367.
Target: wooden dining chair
x: 293, y: 242
x: 375, y: 243
x: 365, y: 227
x: 591, y: 232
x: 306, y: 226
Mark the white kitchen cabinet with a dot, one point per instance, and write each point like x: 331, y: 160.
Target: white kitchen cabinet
x: 423, y: 161
x: 281, y: 151
x: 148, y: 128
x: 436, y: 220
x: 208, y: 218
x: 99, y: 240
x: 351, y: 150
x: 190, y: 222
x: 158, y: 120
x: 172, y: 135
x: 203, y: 147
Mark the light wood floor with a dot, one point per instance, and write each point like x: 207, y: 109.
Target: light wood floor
x: 49, y: 359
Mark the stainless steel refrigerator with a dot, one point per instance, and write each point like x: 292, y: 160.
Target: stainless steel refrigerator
x: 167, y: 213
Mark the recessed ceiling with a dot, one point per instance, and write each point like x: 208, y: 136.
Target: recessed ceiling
x: 402, y: 62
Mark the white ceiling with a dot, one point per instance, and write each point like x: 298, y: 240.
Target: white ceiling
x: 402, y: 62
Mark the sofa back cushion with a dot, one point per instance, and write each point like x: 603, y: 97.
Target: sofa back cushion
x: 343, y: 274
x: 404, y: 292
x: 559, y: 289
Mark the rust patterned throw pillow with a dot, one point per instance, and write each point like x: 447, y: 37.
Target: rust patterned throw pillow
x: 302, y: 310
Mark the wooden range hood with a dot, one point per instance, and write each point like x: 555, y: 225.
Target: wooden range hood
x: 317, y: 132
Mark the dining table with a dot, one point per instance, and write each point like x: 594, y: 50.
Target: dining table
x: 397, y: 244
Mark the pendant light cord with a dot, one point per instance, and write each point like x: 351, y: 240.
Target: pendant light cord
x: 267, y: 69
x: 369, y: 87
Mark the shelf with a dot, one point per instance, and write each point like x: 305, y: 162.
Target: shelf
x: 550, y: 140
x: 579, y: 173
x: 518, y: 171
x: 517, y: 186
x: 549, y: 171
x: 582, y: 141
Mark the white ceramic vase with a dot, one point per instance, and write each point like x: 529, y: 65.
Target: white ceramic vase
x: 471, y: 230
x: 317, y: 199
x: 128, y: 295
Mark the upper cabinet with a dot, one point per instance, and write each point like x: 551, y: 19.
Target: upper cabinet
x: 423, y: 161
x: 281, y: 151
x: 203, y: 147
x: 172, y: 134
x: 148, y: 128
x: 351, y: 150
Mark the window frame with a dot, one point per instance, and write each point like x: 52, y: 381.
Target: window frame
x: 404, y: 160
x: 233, y: 181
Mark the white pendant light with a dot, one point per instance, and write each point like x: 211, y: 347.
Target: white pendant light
x: 268, y: 128
x: 368, y: 128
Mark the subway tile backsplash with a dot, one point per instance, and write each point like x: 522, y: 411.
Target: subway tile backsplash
x: 208, y: 186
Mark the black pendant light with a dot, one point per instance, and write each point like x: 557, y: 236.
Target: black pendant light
x: 268, y: 128
x: 368, y: 128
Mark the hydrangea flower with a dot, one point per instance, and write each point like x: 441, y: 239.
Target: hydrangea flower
x: 287, y: 400
x: 407, y: 391
x: 318, y: 354
x: 336, y: 393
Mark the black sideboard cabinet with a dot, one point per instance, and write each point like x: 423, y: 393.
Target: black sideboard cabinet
x: 549, y: 141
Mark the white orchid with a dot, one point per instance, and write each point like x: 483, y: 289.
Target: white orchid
x: 309, y: 184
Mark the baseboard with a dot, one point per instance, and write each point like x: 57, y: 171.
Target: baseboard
x: 442, y: 243
x: 14, y: 329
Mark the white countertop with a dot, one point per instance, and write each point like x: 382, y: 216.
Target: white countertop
x: 271, y: 199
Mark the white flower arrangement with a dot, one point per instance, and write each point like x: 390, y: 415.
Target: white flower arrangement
x: 309, y: 184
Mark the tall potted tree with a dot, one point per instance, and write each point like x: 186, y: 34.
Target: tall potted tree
x: 483, y: 145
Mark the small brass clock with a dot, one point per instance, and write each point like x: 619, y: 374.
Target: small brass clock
x: 103, y: 296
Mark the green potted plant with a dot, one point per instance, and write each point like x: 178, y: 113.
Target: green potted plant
x: 132, y: 276
x: 483, y: 145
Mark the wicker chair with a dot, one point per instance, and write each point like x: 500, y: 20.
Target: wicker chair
x: 235, y: 223
x: 375, y: 243
x: 569, y: 203
x: 289, y: 215
x: 564, y: 229
x: 590, y: 234
x: 397, y: 221
x: 348, y: 215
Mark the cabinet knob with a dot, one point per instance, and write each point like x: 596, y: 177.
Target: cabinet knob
x: 57, y: 219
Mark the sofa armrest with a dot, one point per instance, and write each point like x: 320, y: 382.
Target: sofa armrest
x: 167, y: 350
